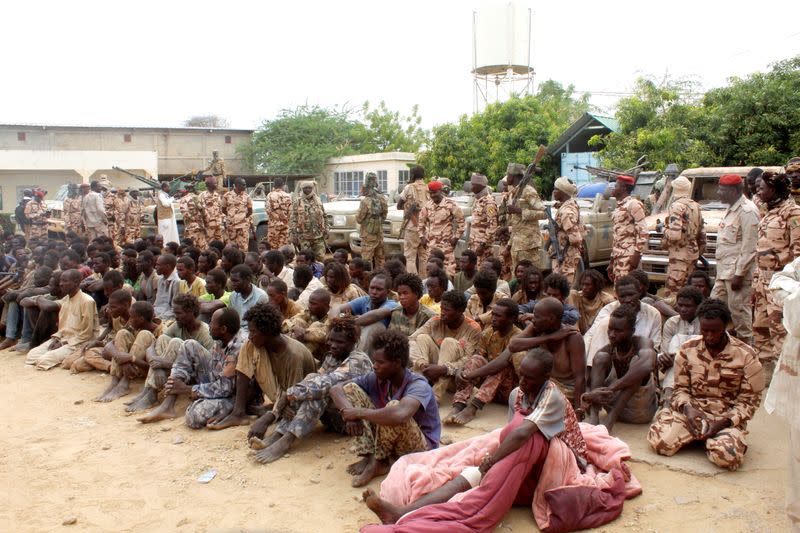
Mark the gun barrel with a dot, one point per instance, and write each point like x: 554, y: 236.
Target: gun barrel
x: 151, y: 182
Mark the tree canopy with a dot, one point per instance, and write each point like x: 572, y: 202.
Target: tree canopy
x: 206, y: 121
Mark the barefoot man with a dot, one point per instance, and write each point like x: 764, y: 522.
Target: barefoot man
x: 391, y: 411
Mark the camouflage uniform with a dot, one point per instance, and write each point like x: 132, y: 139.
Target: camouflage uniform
x: 526, y: 237
x: 37, y: 217
x: 211, y: 208
x: 682, y: 236
x: 570, y: 239
x: 316, y: 331
x: 192, y: 213
x: 484, y: 224
x: 630, y: 236
x: 238, y: 207
x: 495, y: 387
x: 73, y: 220
x: 111, y: 215
x: 727, y: 385
x: 217, y: 169
x: 133, y: 222
x: 439, y: 224
x: 308, y: 221
x: 279, y: 207
x: 371, y: 214
x: 778, y: 244
x: 415, y: 194
x: 121, y: 206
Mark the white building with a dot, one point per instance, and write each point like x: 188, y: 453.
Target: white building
x: 343, y: 176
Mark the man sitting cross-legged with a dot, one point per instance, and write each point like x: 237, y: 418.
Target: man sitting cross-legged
x: 278, y: 294
x: 77, y: 320
x: 275, y: 361
x: 126, y: 353
x: 15, y: 313
x: 718, y: 385
x: 555, y: 286
x: 392, y: 411
x: 311, y: 326
x: 364, y: 308
x: 162, y: 353
x: 538, y: 413
x: 494, y: 382
x: 480, y: 304
x: 39, y: 316
x: 622, y: 374
x: 308, y: 401
x: 407, y: 317
x: 206, y: 376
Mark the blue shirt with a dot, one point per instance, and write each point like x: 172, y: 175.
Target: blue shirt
x: 570, y: 316
x: 242, y: 304
x: 414, y: 386
x: 363, y: 304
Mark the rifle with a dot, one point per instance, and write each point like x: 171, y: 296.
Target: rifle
x: 552, y: 238
x: 408, y: 213
x: 526, y: 178
x: 607, y: 174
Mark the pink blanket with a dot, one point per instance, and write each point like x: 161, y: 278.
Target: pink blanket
x: 564, y: 500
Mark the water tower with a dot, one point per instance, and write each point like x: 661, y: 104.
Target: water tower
x: 501, y: 52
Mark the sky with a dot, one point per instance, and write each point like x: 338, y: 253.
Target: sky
x: 157, y: 63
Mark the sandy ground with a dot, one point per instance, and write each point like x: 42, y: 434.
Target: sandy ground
x: 65, y: 457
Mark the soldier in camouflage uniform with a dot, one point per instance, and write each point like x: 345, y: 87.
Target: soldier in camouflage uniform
x: 211, y: 206
x: 484, y: 218
x: 570, y: 229
x: 778, y: 244
x: 683, y: 237
x: 308, y: 221
x: 133, y: 222
x: 192, y: 213
x: 441, y: 224
x: 36, y: 213
x: 523, y: 218
x: 793, y: 173
x: 217, y: 169
x: 371, y: 214
x: 238, y: 209
x: 412, y: 199
x: 121, y: 207
x: 279, y: 208
x: 718, y: 386
x: 630, y: 233
x: 73, y: 221
x: 109, y: 194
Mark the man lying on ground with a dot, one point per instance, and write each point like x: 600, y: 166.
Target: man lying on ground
x: 391, y: 411
x: 622, y: 375
x: 307, y: 401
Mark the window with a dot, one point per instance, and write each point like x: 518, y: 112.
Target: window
x: 402, y: 179
x: 383, y: 177
x: 228, y: 139
x: 127, y: 137
x: 347, y: 184
x: 21, y: 136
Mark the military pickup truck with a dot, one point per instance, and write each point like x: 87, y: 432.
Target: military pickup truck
x: 704, y: 192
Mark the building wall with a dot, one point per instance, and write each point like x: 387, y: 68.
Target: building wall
x: 351, y: 170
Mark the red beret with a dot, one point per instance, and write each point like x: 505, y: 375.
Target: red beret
x: 435, y: 186
x: 626, y: 179
x: 39, y: 194
x: 730, y: 179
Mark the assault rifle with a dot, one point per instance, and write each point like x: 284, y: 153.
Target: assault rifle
x: 552, y: 238
x: 502, y: 210
x: 408, y: 213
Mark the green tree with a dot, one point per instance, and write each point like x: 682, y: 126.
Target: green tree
x: 206, y: 121
x: 389, y: 131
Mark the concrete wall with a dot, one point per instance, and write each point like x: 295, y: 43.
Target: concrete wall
x: 391, y: 162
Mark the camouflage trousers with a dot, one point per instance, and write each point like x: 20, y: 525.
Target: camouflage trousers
x: 112, y: 231
x: 372, y: 250
x: 195, y: 232
x: 136, y: 346
x: 167, y: 348
x: 277, y: 235
x: 193, y: 365
x: 416, y: 254
x: 214, y: 233
x: 768, y: 330
x: 531, y: 254
x: 86, y: 360
x: 133, y: 232
x: 449, y: 255
x: 384, y: 442
x: 678, y: 272
x: 307, y: 414
x: 568, y: 267
x: 318, y: 245
x: 424, y: 350
x: 670, y: 432
x: 494, y: 388
x: 739, y: 304
x: 621, y: 265
x: 239, y: 236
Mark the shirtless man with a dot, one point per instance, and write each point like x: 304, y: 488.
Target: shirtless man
x: 622, y: 374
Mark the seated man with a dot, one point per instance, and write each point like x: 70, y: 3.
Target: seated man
x: 311, y: 327
x: 622, y: 375
x: 432, y: 267
x: 434, y: 288
x: 480, y: 304
x: 494, y: 383
x: 206, y: 376
x: 411, y: 315
x: 39, y: 316
x: 440, y: 347
x: 391, y: 411
x: 371, y: 324
x: 162, y: 353
x: 190, y: 281
x: 700, y: 280
x: 360, y: 272
x: 664, y: 305
x: 590, y: 299
x: 93, y: 285
x: 167, y: 288
x: 547, y: 331
x: 495, y: 265
x: 309, y: 257
x: 718, y: 385
x: 40, y: 285
x: 275, y: 361
x: 648, y: 318
x: 144, y: 290
x: 127, y: 352
x: 555, y: 286
x: 538, y: 413
x: 308, y: 401
x: 306, y: 283
x: 245, y: 295
x: 216, y: 297
x: 277, y: 292
x: 274, y: 268
x: 468, y: 264
x: 677, y: 330
x: 77, y: 320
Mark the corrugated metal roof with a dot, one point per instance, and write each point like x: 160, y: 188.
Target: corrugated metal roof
x: 609, y: 122
x: 126, y: 128
x: 585, y: 121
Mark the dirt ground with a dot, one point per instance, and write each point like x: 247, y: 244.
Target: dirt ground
x: 64, y: 458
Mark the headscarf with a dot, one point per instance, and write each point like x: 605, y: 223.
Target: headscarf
x: 681, y: 187
x: 566, y: 186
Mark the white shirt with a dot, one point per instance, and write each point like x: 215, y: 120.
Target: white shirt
x: 648, y: 325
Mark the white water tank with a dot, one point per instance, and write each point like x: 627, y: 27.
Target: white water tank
x: 502, y: 39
